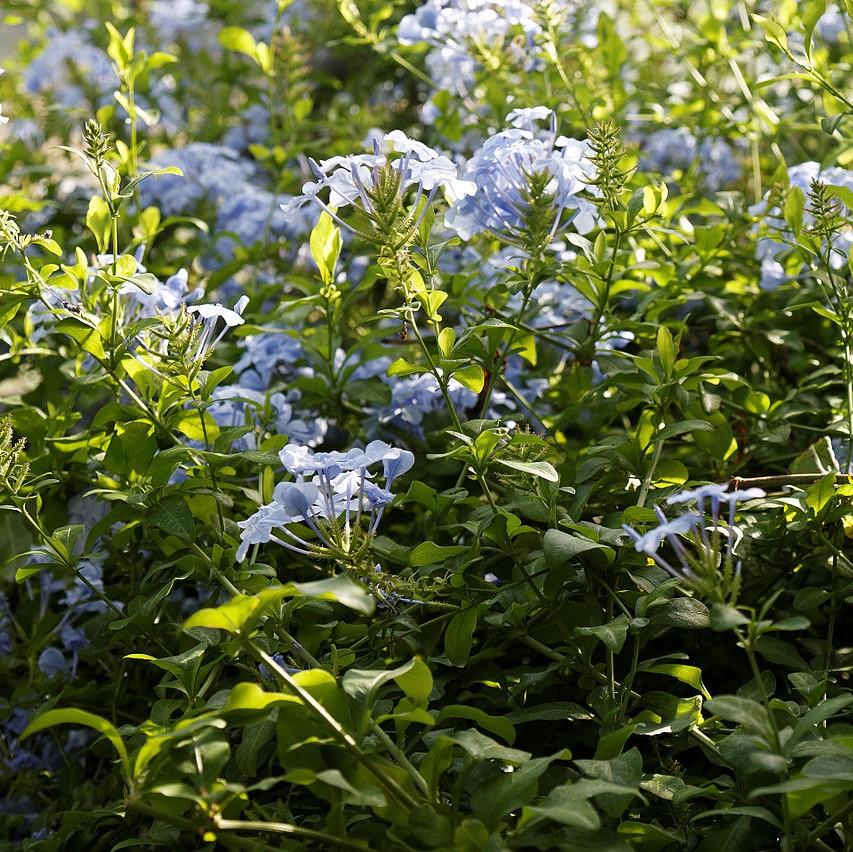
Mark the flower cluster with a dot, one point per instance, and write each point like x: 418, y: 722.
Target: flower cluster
x: 460, y: 32
x: 677, y: 149
x: 378, y: 184
x: 234, y: 406
x: 708, y: 565
x: 506, y: 171
x: 332, y: 494
x: 771, y: 251
x: 69, y: 68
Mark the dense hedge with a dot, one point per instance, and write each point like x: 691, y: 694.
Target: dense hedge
x: 426, y: 427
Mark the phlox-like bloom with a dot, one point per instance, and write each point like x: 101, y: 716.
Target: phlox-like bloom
x: 264, y: 356
x: 68, y: 64
x: 354, y: 180
x: 704, y: 546
x: 210, y: 316
x: 457, y: 28
x: 770, y: 252
x: 502, y: 169
x: 234, y: 405
x: 333, y: 494
x: 676, y: 148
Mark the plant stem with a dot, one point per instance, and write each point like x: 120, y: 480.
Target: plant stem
x: 647, y: 480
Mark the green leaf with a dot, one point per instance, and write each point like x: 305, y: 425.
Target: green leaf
x: 471, y: 377
x: 541, y: 470
x: 414, y: 678
x: 821, y: 492
x: 458, y: 637
x: 560, y: 547
x: 250, y: 697
x: 493, y: 800
x: 430, y: 553
x: 325, y: 244
x: 746, y: 712
x: 99, y: 222
x: 432, y: 301
x: 774, y: 32
x: 71, y: 716
x: 240, y: 40
x: 691, y: 675
x: 88, y: 337
x: 612, y: 634
x: 726, y: 617
x: 173, y: 516
x: 626, y: 770
x: 242, y: 611
x: 498, y: 725
x: 666, y: 349
x: 401, y: 367
x: 683, y: 427
x: 446, y: 339
x: 794, y: 206
x: 811, y: 13
x: 752, y: 811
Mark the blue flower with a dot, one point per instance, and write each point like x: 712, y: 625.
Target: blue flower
x: 50, y: 71
x: 350, y: 180
x: 264, y: 355
x: 455, y: 29
x: 772, y: 250
x: 677, y: 149
x: 340, y: 492
x: 501, y: 171
x: 52, y: 662
x: 651, y: 540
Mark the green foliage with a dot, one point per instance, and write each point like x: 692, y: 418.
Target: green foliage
x: 497, y: 630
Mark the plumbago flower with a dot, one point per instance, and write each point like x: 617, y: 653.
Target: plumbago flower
x: 412, y: 398
x: 676, y: 148
x: 68, y: 67
x: 772, y: 251
x: 522, y: 174
x: 378, y: 185
x: 265, y: 356
x: 334, y: 495
x: 184, y: 339
x: 235, y: 406
x: 466, y: 35
x: 707, y: 561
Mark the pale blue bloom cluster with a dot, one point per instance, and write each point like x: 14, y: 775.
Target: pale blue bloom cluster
x: 701, y: 525
x: 69, y: 65
x: 162, y: 297
x: 235, y: 406
x: 832, y: 24
x: 249, y: 214
x: 333, y: 492
x: 210, y: 171
x: 75, y: 598
x: 771, y: 251
x: 266, y: 356
x: 677, y: 149
x: 349, y: 179
x: 456, y: 29
x: 181, y: 20
x: 41, y: 753
x: 252, y: 128
x: 412, y: 397
x: 501, y: 172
